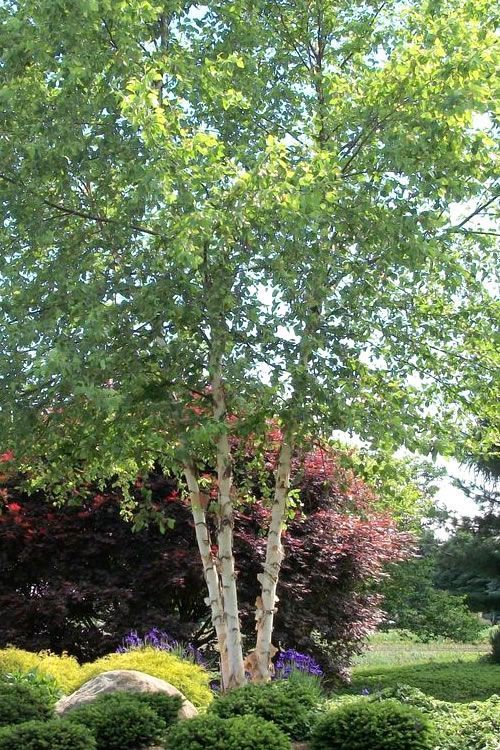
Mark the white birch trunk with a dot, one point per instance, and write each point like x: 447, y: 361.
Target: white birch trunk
x: 236, y: 676
x: 266, y: 605
x: 214, y: 599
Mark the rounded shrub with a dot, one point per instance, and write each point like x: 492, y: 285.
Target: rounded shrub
x: 46, y: 735
x: 379, y: 725
x: 191, y: 679
x: 238, y: 733
x: 166, y: 706
x: 495, y: 645
x: 19, y: 703
x: 285, y: 703
x: 119, y: 721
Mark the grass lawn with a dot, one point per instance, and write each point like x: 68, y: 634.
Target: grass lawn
x: 449, y: 671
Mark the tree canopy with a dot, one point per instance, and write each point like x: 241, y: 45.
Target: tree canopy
x: 216, y: 215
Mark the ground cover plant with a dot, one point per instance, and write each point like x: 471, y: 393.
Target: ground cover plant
x: 459, y: 680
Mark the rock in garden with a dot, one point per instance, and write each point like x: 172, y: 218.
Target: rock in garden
x: 122, y: 680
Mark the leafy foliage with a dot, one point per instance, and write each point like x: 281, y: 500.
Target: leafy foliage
x: 119, y: 721
x: 364, y: 725
x: 288, y: 704
x: 19, y: 703
x: 238, y: 733
x: 56, y: 735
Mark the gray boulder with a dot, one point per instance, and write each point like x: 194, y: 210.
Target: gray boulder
x: 122, y: 680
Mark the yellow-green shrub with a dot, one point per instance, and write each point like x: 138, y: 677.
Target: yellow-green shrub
x: 190, y: 679
x: 64, y: 669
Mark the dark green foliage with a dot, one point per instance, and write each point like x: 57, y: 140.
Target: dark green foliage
x: 19, y: 703
x: 120, y: 722
x: 237, y: 733
x: 166, y: 706
x: 46, y: 735
x: 369, y: 725
x: 495, y: 646
x: 289, y: 704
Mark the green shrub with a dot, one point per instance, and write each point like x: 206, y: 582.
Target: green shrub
x: 166, y: 706
x: 237, y: 733
x: 20, y: 703
x: 119, y: 721
x: 372, y: 725
x: 495, y: 646
x: 46, y: 735
x: 191, y: 679
x: 289, y: 704
x: 459, y: 726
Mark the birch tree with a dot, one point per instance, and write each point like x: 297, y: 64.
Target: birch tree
x: 224, y: 214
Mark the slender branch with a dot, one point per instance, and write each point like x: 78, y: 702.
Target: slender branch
x: 68, y: 211
x: 474, y: 213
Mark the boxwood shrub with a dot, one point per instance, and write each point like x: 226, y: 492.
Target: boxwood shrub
x: 373, y: 725
x: 288, y: 704
x: 119, y: 721
x: 237, y: 733
x: 46, y: 735
x: 20, y: 703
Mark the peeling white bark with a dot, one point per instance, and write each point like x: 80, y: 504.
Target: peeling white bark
x: 265, y: 612
x: 227, y: 572
x: 214, y: 599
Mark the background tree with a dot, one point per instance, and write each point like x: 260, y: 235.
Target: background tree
x: 469, y: 562
x: 251, y: 199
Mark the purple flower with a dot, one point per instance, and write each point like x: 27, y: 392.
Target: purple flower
x: 290, y: 660
x: 365, y: 691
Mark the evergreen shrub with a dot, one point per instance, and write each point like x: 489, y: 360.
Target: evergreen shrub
x: 19, y: 703
x: 373, y: 725
x: 119, y: 721
x: 288, y: 704
x: 46, y: 735
x: 237, y: 733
